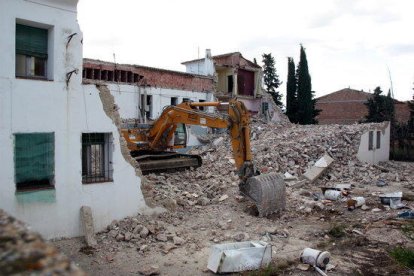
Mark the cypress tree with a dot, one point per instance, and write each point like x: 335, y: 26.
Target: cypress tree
x: 271, y: 78
x: 380, y: 107
x: 411, y: 106
x: 291, y: 95
x: 306, y: 104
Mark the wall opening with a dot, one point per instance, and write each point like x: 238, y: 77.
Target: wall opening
x: 96, y: 157
x: 230, y: 84
x: 371, y: 140
x: 174, y: 100
x: 34, y: 161
x: 31, y: 52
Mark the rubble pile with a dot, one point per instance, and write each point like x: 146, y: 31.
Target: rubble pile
x: 276, y: 148
x: 25, y: 253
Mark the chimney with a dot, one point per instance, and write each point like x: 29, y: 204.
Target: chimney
x: 208, y: 53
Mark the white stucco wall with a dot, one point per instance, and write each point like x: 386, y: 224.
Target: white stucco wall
x: 376, y: 154
x: 28, y: 106
x: 201, y: 67
x: 127, y: 98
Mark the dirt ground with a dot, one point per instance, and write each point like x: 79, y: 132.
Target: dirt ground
x: 205, y: 208
x: 359, y: 246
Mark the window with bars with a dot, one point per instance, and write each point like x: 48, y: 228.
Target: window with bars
x: 31, y: 51
x: 96, y: 157
x: 34, y: 161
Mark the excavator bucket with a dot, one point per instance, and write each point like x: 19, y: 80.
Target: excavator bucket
x: 268, y: 192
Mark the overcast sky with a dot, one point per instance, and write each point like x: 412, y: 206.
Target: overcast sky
x: 348, y: 43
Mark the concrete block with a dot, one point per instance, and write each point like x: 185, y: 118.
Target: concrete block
x: 87, y: 223
x: 320, y: 166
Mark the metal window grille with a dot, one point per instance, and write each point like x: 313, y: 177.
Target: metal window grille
x: 96, y: 157
x: 34, y: 161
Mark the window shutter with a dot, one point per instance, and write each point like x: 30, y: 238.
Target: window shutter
x: 31, y: 41
x: 34, y: 157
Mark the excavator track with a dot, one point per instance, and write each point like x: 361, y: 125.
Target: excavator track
x: 267, y: 191
x: 163, y: 161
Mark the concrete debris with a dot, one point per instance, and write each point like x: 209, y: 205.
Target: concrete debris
x: 149, y: 270
x: 218, y: 141
x: 318, y: 168
x: 223, y: 197
x: 303, y: 267
x: 87, y: 223
x: 205, y: 206
x: 236, y: 257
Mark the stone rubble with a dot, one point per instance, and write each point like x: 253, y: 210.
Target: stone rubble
x: 23, y: 252
x: 205, y: 207
x: 291, y: 149
x: 286, y: 149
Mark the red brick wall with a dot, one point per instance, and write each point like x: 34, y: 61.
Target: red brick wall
x: 346, y: 106
x: 153, y: 76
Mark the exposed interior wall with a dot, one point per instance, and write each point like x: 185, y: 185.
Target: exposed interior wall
x: 379, y: 152
x: 222, y: 81
x: 33, y: 106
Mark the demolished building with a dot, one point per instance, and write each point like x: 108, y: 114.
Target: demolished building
x: 235, y: 76
x: 141, y: 93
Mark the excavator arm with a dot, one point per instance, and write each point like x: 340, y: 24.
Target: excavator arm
x: 262, y: 189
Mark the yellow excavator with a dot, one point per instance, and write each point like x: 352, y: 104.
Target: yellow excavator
x: 153, y: 147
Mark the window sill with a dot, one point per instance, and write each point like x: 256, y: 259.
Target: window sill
x: 36, y: 196
x: 34, y: 189
x: 34, y: 78
x: 98, y: 182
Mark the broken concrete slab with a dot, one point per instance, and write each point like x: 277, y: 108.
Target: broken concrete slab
x: 88, y: 227
x: 320, y: 167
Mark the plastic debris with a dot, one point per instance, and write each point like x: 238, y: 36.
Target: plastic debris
x: 406, y: 214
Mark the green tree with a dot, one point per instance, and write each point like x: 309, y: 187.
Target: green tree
x: 411, y: 106
x: 291, y: 92
x: 306, y: 104
x: 380, y: 107
x: 271, y: 78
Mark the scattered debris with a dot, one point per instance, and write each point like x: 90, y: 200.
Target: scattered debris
x: 386, y: 198
x: 381, y: 183
x: 320, y: 166
x: 407, y: 214
x: 315, y: 257
x: 149, y: 270
x: 242, y: 256
x: 332, y: 194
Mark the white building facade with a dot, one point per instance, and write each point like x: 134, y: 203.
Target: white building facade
x: 59, y: 149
